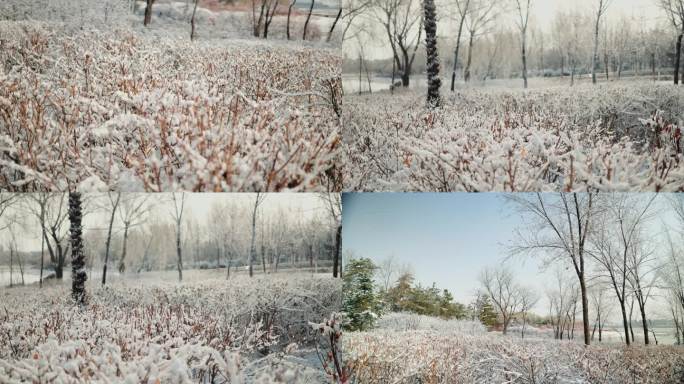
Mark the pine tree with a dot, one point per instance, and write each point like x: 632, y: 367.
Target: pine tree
x: 360, y: 302
x: 434, y: 82
x: 78, y: 273
x: 487, y: 314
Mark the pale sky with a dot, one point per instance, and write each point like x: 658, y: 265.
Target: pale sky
x: 447, y: 238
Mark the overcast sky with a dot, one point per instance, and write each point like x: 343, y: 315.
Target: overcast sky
x: 542, y: 14
x: 447, y: 238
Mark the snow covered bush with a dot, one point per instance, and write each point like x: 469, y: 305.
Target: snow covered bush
x: 215, y: 331
x: 420, y: 356
x: 396, y: 321
x: 609, y: 137
x: 126, y: 111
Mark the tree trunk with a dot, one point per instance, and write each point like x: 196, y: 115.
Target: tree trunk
x: 42, y: 255
x: 644, y: 323
x: 122, y: 260
x: 179, y: 254
x: 524, y: 57
x: 594, y: 56
x: 585, y: 311
x: 678, y: 55
x: 148, y: 13
x: 466, y: 74
x: 624, y: 321
x: 405, y: 79
x: 192, y: 21
x: 78, y: 273
x: 337, y: 265
x: 458, y: 47
x: 289, y: 12
x: 433, y: 80
x: 252, y: 247
x: 332, y: 28
x: 109, y: 239
x: 308, y: 18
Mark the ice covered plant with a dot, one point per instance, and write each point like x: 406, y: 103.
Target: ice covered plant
x: 329, y: 348
x: 211, y: 331
x: 429, y: 356
x: 116, y: 109
x: 498, y: 140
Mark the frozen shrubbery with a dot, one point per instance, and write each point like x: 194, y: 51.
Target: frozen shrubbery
x: 421, y: 356
x: 79, y: 13
x: 116, y: 110
x: 217, y: 331
x: 608, y: 137
x: 396, y: 321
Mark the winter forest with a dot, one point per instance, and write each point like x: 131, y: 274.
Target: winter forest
x: 161, y: 95
x: 513, y: 95
x: 568, y: 288
x: 172, y: 288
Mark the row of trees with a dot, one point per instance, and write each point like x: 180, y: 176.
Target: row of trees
x: 262, y: 15
x: 140, y: 232
x: 606, y: 241
x: 579, y: 40
x: 371, y: 290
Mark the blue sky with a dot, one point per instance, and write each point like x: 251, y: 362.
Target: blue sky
x: 447, y: 238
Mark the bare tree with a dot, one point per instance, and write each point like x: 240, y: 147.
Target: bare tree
x: 478, y: 22
x: 177, y: 214
x: 352, y: 10
x: 258, y: 200
x: 403, y: 26
x: 523, y: 7
x: 113, y: 206
x: 132, y: 213
x: 462, y: 7
x: 675, y: 13
x: 601, y: 308
x: 617, y: 235
x: 271, y: 8
x: 528, y: 299
x: 499, y: 284
x: 600, y: 11
x: 558, y: 230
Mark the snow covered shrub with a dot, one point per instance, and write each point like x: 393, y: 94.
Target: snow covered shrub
x: 412, y: 322
x: 118, y: 110
x: 77, y: 13
x: 382, y: 356
x: 539, y: 140
x: 215, y: 331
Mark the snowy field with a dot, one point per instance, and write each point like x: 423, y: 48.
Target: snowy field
x: 609, y: 137
x: 106, y: 105
x: 206, y: 330
x: 457, y: 351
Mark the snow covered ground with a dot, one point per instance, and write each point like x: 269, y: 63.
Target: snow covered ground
x: 205, y: 330
x: 453, y: 352
x: 98, y: 101
x: 609, y: 137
